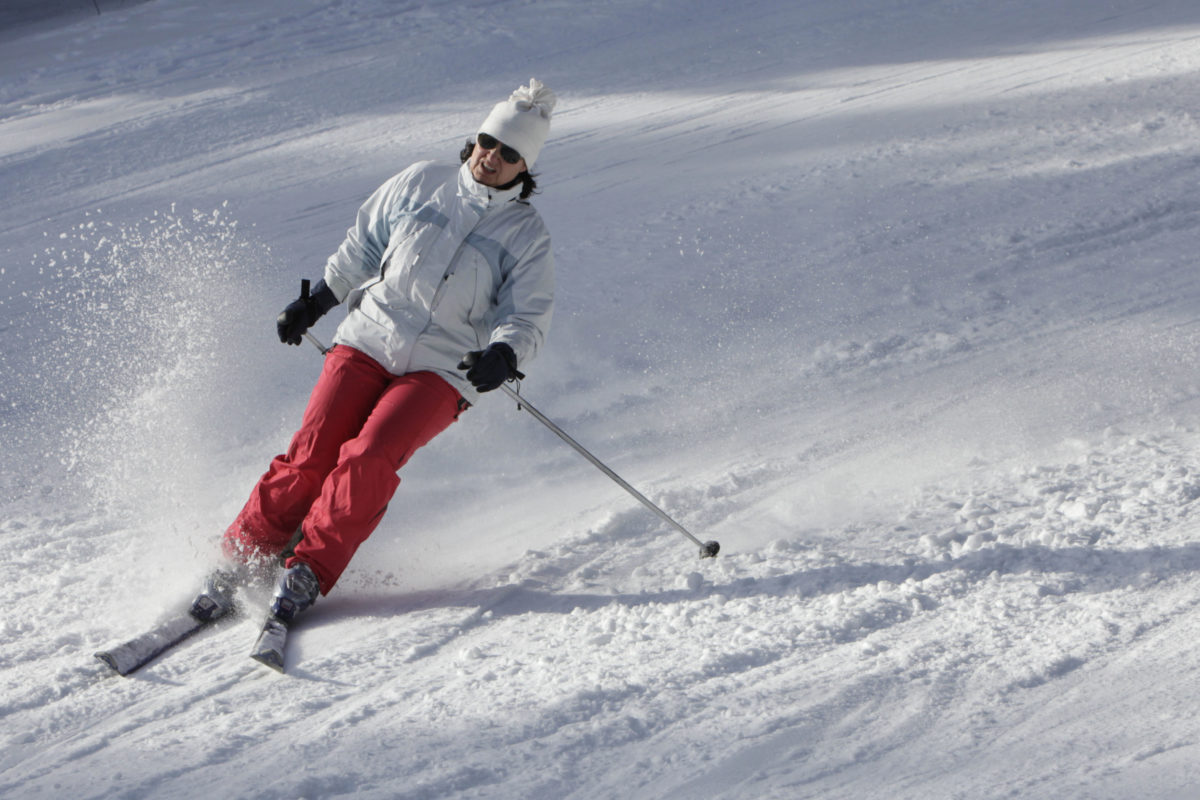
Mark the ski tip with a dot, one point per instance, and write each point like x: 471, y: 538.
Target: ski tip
x: 269, y: 648
x: 271, y: 659
x: 110, y: 660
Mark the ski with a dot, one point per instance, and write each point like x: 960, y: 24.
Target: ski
x: 213, y: 603
x: 269, y: 649
x: 145, y: 647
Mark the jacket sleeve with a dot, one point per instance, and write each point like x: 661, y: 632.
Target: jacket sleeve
x: 359, y: 258
x: 525, y: 300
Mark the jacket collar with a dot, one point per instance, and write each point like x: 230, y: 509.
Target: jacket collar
x: 484, y: 197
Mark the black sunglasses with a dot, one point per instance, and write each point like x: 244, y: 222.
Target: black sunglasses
x: 487, y: 142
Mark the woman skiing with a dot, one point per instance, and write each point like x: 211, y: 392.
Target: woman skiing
x: 449, y: 280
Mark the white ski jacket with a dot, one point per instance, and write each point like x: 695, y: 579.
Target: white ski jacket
x: 437, y: 265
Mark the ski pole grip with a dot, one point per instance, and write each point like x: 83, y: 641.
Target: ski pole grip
x: 304, y: 288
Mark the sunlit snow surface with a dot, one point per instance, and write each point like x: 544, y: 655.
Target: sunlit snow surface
x: 897, y: 300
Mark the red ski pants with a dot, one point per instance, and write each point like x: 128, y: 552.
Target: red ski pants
x: 361, y: 426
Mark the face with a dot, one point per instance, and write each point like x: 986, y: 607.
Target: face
x: 490, y: 169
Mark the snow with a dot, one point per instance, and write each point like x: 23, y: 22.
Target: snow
x: 896, y: 299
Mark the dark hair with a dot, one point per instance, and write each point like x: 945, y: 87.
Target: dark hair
x: 526, y: 179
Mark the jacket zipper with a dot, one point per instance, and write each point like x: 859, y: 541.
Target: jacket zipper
x: 450, y: 270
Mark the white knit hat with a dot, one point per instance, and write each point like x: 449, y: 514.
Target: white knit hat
x: 523, y: 120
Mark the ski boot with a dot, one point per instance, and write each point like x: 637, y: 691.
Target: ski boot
x: 216, y: 599
x: 298, y: 589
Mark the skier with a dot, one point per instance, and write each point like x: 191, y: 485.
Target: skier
x: 449, y: 280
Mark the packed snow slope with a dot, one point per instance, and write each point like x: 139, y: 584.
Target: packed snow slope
x: 896, y: 299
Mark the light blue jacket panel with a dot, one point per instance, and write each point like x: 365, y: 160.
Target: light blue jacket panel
x: 437, y: 265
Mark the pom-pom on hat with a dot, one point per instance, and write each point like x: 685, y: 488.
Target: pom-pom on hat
x: 523, y: 120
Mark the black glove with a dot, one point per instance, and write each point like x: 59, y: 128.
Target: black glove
x: 487, y: 369
x: 302, y: 314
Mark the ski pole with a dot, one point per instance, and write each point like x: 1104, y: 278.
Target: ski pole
x: 316, y: 343
x: 708, y: 549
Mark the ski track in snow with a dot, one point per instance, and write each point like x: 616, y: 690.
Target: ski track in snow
x: 894, y: 299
